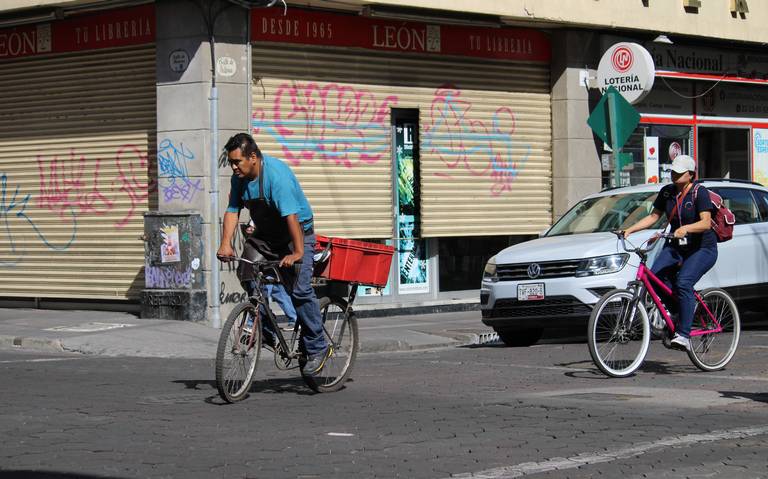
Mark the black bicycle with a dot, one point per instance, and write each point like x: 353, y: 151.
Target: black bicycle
x: 240, y: 342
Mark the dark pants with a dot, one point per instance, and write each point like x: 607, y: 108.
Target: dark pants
x: 681, y: 270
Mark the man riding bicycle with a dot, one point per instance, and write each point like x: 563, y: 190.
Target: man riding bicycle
x: 283, y: 230
x: 693, y: 251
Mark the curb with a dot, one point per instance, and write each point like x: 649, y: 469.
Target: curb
x: 32, y: 344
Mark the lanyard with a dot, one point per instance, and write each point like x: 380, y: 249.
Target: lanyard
x: 679, y: 202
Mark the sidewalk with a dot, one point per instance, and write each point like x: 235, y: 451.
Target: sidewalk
x: 122, y: 334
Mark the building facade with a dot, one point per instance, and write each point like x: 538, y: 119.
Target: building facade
x: 449, y: 134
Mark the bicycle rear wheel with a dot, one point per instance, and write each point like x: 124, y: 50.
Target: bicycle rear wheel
x: 238, y: 352
x: 712, y: 351
x: 618, y: 341
x: 342, y: 335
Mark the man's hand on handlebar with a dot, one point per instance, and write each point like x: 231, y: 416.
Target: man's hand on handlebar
x: 226, y: 253
x: 290, y: 259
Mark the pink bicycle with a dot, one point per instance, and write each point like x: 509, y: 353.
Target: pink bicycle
x: 622, y: 322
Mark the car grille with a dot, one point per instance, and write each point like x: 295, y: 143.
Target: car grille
x: 549, y: 269
x: 553, y: 306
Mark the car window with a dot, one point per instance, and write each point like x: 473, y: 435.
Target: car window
x: 761, y: 198
x: 739, y: 200
x: 606, y: 213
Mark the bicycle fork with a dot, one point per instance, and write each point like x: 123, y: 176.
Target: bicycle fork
x: 629, y: 311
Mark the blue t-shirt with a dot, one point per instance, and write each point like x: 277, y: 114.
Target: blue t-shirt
x: 690, y: 207
x: 281, y: 191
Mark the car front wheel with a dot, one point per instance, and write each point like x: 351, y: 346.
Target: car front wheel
x: 520, y: 337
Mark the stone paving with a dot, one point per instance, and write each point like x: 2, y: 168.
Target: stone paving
x: 488, y: 411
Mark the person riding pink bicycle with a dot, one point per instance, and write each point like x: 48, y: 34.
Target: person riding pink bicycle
x: 693, y: 250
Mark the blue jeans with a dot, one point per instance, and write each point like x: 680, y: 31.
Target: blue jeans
x: 305, y: 303
x: 681, y: 270
x: 278, y: 293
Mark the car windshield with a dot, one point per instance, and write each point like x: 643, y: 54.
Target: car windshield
x: 606, y: 213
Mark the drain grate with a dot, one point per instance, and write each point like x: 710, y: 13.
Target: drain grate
x: 488, y: 338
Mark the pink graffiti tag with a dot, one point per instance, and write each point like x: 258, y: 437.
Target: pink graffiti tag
x: 334, y: 123
x: 67, y: 188
x: 132, y: 165
x: 460, y: 141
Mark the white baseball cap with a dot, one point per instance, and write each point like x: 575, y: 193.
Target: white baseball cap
x: 683, y: 163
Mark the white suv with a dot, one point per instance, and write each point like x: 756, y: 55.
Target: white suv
x: 554, y: 281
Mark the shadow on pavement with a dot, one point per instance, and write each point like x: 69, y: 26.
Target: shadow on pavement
x: 34, y: 474
x: 266, y: 386
x: 756, y: 397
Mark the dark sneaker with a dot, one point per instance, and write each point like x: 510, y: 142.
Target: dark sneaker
x: 268, y: 342
x: 316, y: 362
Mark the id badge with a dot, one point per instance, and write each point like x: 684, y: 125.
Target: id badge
x: 683, y: 241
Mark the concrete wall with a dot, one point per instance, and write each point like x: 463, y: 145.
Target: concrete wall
x: 183, y: 113
x: 575, y: 158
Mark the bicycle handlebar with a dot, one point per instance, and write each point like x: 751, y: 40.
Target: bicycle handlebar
x: 639, y: 249
x: 266, y: 264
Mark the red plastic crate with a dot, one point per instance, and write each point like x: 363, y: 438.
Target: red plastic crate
x: 356, y: 261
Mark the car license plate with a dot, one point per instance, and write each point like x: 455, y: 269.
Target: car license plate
x: 530, y: 292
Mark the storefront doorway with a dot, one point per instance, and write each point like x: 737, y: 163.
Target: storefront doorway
x: 723, y: 153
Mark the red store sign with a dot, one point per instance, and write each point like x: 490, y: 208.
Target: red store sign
x: 342, y: 30
x: 108, y: 29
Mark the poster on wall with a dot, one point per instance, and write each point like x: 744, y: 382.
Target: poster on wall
x: 651, y: 162
x: 412, y: 263
x: 760, y: 155
x: 169, y: 250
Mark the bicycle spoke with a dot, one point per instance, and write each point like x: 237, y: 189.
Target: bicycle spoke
x: 618, y: 334
x: 714, y: 349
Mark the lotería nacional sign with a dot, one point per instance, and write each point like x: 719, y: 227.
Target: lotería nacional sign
x: 629, y: 68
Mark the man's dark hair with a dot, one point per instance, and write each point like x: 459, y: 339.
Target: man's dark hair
x: 243, y: 142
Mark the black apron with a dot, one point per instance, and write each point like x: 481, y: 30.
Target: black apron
x: 270, y: 239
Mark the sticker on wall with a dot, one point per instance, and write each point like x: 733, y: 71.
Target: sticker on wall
x: 169, y: 250
x: 178, y: 61
x: 196, y: 264
x: 226, y: 66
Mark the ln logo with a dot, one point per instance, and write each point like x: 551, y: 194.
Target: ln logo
x: 622, y: 59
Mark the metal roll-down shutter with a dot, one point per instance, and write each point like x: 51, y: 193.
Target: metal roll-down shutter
x: 77, y: 138
x: 485, y: 136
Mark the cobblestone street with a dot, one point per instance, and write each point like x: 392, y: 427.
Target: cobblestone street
x: 491, y: 411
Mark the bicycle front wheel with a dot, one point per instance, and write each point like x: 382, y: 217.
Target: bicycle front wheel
x: 342, y: 335
x: 618, y: 338
x: 711, y: 351
x: 238, y: 352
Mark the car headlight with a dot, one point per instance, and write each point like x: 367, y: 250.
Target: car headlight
x: 602, y: 265
x: 489, y: 274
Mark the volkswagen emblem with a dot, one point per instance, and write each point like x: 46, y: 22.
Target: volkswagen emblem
x: 534, y: 270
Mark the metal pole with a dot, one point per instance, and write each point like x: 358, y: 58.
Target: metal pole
x: 214, y: 192
x: 613, y: 120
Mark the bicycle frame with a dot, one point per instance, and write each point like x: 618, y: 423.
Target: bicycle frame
x: 648, y: 279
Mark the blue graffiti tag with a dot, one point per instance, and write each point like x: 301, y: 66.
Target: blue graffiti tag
x: 16, y: 205
x: 172, y: 163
